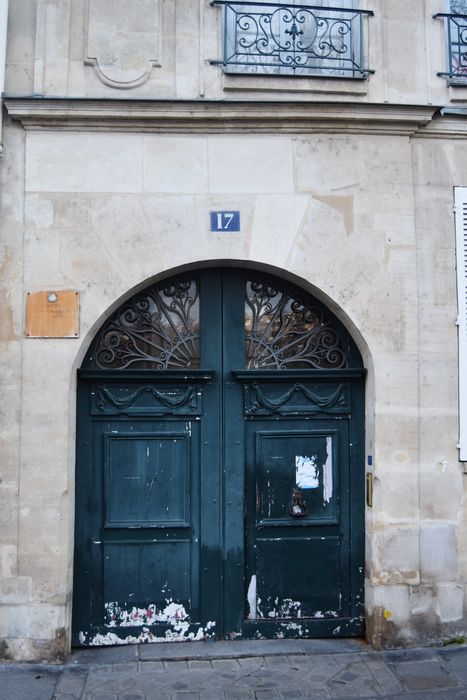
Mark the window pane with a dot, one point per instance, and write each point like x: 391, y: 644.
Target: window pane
x: 156, y: 329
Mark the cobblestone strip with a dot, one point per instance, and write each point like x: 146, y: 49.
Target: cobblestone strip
x: 292, y: 677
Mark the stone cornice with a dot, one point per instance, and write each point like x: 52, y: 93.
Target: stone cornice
x: 447, y: 127
x: 216, y: 116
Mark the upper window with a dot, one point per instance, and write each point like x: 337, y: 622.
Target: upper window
x: 160, y: 328
x: 278, y: 38
x: 456, y: 41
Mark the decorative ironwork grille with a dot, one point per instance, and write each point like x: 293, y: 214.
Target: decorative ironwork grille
x: 456, y: 46
x: 293, y: 39
x: 286, y: 329
x: 156, y: 329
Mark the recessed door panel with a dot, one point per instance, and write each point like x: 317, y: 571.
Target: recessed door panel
x: 296, y: 477
x: 297, y: 578
x: 156, y: 588
x: 147, y: 480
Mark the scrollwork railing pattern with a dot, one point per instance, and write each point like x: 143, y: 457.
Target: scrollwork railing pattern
x: 285, y: 329
x: 157, y: 329
x: 286, y: 39
x: 456, y: 37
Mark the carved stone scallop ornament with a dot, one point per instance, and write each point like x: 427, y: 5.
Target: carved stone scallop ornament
x: 122, y: 40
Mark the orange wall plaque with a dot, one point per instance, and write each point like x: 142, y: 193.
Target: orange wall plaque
x: 52, y: 314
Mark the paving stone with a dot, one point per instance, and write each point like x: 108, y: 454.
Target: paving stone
x: 225, y: 665
x: 128, y: 667
x: 425, y: 675
x: 456, y: 660
x: 150, y: 666
x: 252, y: 662
x: 237, y: 694
x: 265, y: 694
x: 406, y: 655
x: 313, y: 693
x: 178, y: 665
x: 103, y: 655
x: 72, y: 683
x: 199, y: 664
x: 27, y: 684
x: 277, y: 661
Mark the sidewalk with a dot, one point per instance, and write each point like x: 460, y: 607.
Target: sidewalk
x: 242, y: 670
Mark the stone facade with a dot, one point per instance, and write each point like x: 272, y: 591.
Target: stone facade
x: 119, y: 137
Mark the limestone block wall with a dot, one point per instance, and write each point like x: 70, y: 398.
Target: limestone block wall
x: 363, y: 220
x: 163, y: 49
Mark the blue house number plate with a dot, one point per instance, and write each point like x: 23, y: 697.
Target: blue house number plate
x: 225, y: 221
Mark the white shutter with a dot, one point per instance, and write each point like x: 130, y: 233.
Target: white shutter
x: 460, y: 203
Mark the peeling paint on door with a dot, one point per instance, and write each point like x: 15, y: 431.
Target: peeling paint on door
x: 119, y: 616
x: 307, y: 474
x: 251, y: 597
x: 327, y: 472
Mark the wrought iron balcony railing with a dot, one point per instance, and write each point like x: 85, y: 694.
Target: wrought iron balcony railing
x: 279, y: 38
x: 456, y: 47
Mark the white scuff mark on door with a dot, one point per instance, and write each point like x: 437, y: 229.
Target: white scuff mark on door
x: 297, y: 627
x: 318, y: 613
x: 327, y: 472
x: 336, y: 630
x: 251, y: 597
x: 290, y: 608
x: 117, y: 616
x: 306, y: 472
x: 178, y: 634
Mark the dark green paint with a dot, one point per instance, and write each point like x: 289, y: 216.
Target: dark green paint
x: 184, y: 481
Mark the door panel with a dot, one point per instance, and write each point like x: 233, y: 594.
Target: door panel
x: 139, y: 552
x: 298, y: 529
x: 222, y: 501
x: 291, y: 460
x: 147, y: 479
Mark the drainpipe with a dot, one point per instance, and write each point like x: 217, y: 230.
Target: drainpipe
x: 3, y: 28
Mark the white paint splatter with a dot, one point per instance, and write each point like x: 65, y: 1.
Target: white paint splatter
x: 327, y: 472
x: 179, y: 634
x: 306, y: 471
x: 173, y: 614
x: 251, y: 597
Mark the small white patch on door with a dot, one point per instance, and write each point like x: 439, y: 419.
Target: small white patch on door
x: 306, y: 470
x: 327, y: 472
x: 251, y: 596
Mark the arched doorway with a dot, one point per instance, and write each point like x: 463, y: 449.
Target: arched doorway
x: 220, y: 478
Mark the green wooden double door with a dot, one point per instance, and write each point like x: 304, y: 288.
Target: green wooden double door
x: 219, y: 483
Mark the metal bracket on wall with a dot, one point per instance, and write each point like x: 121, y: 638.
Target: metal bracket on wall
x: 369, y: 489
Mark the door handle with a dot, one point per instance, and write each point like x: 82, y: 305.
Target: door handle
x: 298, y: 508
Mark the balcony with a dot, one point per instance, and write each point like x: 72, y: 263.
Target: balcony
x: 456, y: 47
x: 274, y: 38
